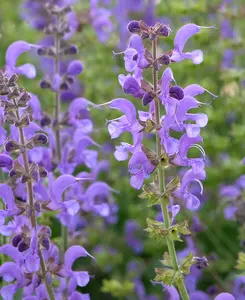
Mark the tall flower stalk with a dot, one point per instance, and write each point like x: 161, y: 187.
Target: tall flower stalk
x: 161, y: 179
x: 170, y: 151
x: 17, y: 98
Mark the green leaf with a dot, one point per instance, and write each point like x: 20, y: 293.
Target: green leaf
x: 156, y: 229
x: 173, y: 185
x: 167, y: 276
x: 151, y: 192
x: 187, y: 263
x: 241, y: 261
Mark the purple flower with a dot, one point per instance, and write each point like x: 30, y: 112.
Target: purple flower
x: 12, y: 54
x: 80, y: 278
x: 182, y: 36
x: 191, y: 201
x: 140, y: 168
x: 131, y: 230
x: 100, y: 21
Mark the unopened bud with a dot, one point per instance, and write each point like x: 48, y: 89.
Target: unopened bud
x: 134, y: 26
x: 147, y: 98
x: 176, y: 92
x: 201, y: 262
x: 11, y: 146
x: 40, y: 139
x: 16, y: 240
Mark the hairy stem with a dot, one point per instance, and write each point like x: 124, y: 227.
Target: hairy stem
x: 57, y: 97
x: 161, y: 181
x: 30, y: 195
x: 64, y: 231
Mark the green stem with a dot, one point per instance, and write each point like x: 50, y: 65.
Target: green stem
x: 161, y: 181
x: 48, y: 286
x: 30, y: 195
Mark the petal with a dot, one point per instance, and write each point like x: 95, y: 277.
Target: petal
x: 183, y: 34
x: 15, y: 50
x: 198, y: 295
x: 192, y: 202
x: 32, y: 263
x: 186, y: 142
x: 77, y: 106
x: 56, y: 82
x: 193, y: 90
x: 12, y: 252
x: 82, y: 278
x: 230, y: 212
x: 201, y: 119
x: 224, y: 296
x: 192, y: 130
x: 90, y: 158
x: 132, y: 87
x: 72, y: 207
x: 167, y: 77
x: 75, y: 68
x: 12, y: 270
x: 78, y: 296
x: 6, y: 161
x: 196, y: 56
x: 136, y: 43
x: 7, y: 195
x: 126, y: 107
x: 136, y: 181
x: 230, y: 191
x: 73, y: 253
x: 241, y: 182
x: 172, y: 292
x: 27, y: 69
x: 98, y: 189
x: 121, y: 152
x: 8, y: 291
x: 60, y: 185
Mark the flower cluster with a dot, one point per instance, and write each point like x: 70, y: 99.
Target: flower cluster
x: 177, y: 130
x: 75, y: 195
x: 36, y: 259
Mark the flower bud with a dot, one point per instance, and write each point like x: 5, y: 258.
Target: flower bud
x: 12, y: 173
x: 44, y: 84
x: 37, y: 206
x: 29, y: 211
x: 40, y: 139
x: 45, y: 121
x: 42, y: 172
x: 164, y: 31
x: 23, y: 246
x: 22, y: 101
x: 16, y: 240
x: 45, y: 242
x: 71, y: 50
x: 75, y: 68
x: 134, y: 26
x: 11, y: 146
x: 64, y: 86
x: 13, y: 78
x: 147, y: 98
x: 164, y: 59
x: 201, y: 262
x: 176, y: 92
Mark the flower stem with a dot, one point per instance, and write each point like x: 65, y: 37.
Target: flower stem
x: 30, y: 194
x: 57, y: 97
x: 161, y: 181
x: 64, y: 230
